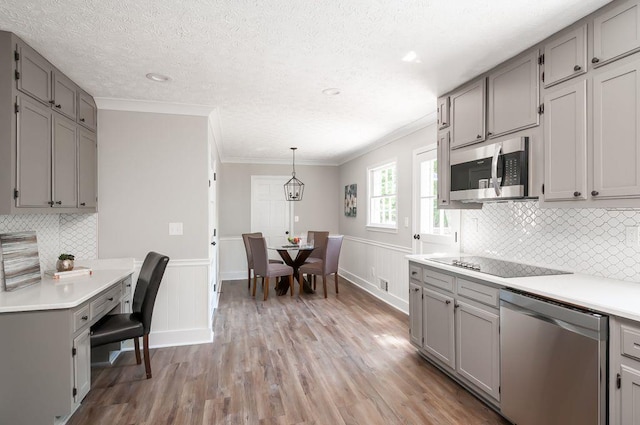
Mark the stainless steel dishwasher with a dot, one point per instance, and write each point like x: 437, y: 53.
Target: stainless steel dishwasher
x: 553, y: 362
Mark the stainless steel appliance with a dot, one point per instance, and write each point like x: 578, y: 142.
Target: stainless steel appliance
x: 496, y: 267
x: 553, y: 362
x: 490, y: 172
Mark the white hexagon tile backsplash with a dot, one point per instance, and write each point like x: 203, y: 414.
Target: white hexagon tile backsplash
x: 590, y: 241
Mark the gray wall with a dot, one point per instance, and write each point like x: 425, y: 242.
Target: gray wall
x: 318, y: 210
x: 152, y: 170
x: 355, y: 171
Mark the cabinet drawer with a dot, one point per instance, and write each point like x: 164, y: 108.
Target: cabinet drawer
x: 479, y: 292
x: 630, y: 341
x: 80, y: 317
x: 105, y: 302
x: 415, y: 272
x: 439, y: 280
x: 126, y: 288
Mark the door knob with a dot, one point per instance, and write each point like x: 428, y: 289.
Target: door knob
x: 213, y: 243
x: 286, y: 233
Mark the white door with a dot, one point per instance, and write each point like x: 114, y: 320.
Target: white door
x: 270, y: 212
x: 435, y: 230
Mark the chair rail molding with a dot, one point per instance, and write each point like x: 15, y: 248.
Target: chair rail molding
x: 379, y: 268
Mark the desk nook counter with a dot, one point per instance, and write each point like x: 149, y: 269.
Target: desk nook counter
x: 46, y: 352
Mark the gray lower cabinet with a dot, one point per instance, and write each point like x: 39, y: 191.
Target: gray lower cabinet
x: 460, y: 327
x: 624, y: 372
x: 630, y: 396
x: 616, y: 33
x: 81, y: 366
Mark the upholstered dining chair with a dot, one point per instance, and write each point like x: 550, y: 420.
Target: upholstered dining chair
x: 319, y: 242
x: 263, y: 268
x: 247, y: 248
x: 326, y: 267
x: 120, y: 327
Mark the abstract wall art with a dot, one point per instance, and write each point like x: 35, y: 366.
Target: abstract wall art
x: 20, y: 260
x: 350, y: 200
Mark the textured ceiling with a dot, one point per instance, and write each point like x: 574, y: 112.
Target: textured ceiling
x: 264, y: 64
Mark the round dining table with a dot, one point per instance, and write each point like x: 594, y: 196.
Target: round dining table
x: 302, y: 253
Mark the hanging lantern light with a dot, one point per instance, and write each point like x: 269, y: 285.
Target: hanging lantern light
x: 294, y: 188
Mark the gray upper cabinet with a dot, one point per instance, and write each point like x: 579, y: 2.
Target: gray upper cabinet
x: 33, y: 73
x: 443, y: 112
x: 616, y: 33
x: 514, y: 96
x: 565, y: 143
x: 87, y: 169
x: 616, y: 138
x: 33, y: 121
x: 87, y: 111
x: 65, y: 180
x: 468, y: 114
x: 565, y: 57
x: 64, y: 96
x: 444, y: 170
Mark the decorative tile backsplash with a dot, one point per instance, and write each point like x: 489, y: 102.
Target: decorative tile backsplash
x: 73, y: 233
x: 590, y: 241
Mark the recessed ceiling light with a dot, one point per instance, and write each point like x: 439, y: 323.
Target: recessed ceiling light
x: 410, y: 57
x: 158, y: 78
x: 331, y: 92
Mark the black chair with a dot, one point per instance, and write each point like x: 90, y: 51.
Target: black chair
x: 120, y: 327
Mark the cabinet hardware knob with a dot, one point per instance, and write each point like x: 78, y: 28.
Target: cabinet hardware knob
x: 478, y: 137
x: 416, y: 289
x: 85, y: 317
x: 58, y: 106
x: 576, y: 194
x: 594, y: 193
x: 489, y: 134
x: 126, y: 302
x: 81, y: 119
x: 456, y: 305
x: 128, y: 285
x: 51, y: 203
x: 447, y: 302
x: 59, y: 203
x: 414, y: 273
x: 82, y: 204
x: 110, y: 299
x: 52, y: 102
x: 577, y: 68
x: 595, y: 60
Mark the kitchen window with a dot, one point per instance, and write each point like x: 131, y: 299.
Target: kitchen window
x: 383, y: 205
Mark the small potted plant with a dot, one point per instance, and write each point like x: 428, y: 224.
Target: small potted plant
x: 65, y: 262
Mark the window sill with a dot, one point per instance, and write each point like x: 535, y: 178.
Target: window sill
x: 383, y: 229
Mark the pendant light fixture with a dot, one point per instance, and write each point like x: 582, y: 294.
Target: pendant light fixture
x: 294, y: 188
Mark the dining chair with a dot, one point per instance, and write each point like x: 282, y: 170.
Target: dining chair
x: 262, y: 267
x: 319, y: 241
x: 247, y: 248
x: 326, y: 267
x: 120, y: 327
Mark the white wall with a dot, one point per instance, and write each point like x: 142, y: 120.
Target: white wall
x: 367, y: 255
x: 318, y: 210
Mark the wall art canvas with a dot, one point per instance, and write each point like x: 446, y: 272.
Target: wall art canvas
x: 350, y: 200
x: 20, y: 260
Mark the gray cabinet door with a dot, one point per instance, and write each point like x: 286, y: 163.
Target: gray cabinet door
x: 33, y: 153
x: 34, y: 74
x: 64, y: 96
x: 478, y: 342
x: 415, y: 313
x: 565, y: 143
x: 82, y: 366
x: 65, y: 141
x: 87, y: 169
x: 565, y: 57
x: 87, y: 111
x: 616, y: 33
x: 437, y: 326
x: 468, y: 114
x: 630, y: 396
x: 616, y: 127
x: 513, y: 96
x: 444, y: 169
x: 443, y: 112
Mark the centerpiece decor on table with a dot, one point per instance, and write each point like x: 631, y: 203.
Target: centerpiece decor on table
x: 65, y: 262
x: 294, y: 241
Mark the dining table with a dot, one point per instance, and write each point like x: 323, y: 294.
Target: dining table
x: 302, y: 252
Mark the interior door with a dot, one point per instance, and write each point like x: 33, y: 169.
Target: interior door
x: 270, y: 213
x: 435, y: 230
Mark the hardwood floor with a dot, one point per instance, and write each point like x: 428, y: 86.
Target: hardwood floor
x: 302, y: 360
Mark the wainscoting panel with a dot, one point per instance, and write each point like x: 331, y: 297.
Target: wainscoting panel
x: 369, y: 264
x: 181, y: 314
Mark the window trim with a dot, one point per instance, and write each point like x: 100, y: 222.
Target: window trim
x: 379, y: 227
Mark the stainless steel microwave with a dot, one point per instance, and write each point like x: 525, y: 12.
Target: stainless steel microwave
x: 491, y: 172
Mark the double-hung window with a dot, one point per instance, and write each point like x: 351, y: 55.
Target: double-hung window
x: 383, y: 204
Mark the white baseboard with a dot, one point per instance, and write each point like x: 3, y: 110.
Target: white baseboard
x: 393, y: 301
x: 181, y: 337
x: 233, y: 275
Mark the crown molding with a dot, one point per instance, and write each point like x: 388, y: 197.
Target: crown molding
x: 396, y: 134
x: 130, y: 105
x: 275, y: 161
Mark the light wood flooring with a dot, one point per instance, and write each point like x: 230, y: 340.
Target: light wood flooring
x: 302, y: 360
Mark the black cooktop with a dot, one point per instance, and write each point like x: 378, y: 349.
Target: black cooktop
x: 498, y: 268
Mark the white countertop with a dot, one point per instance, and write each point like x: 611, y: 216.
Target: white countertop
x: 610, y: 296
x: 52, y: 294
